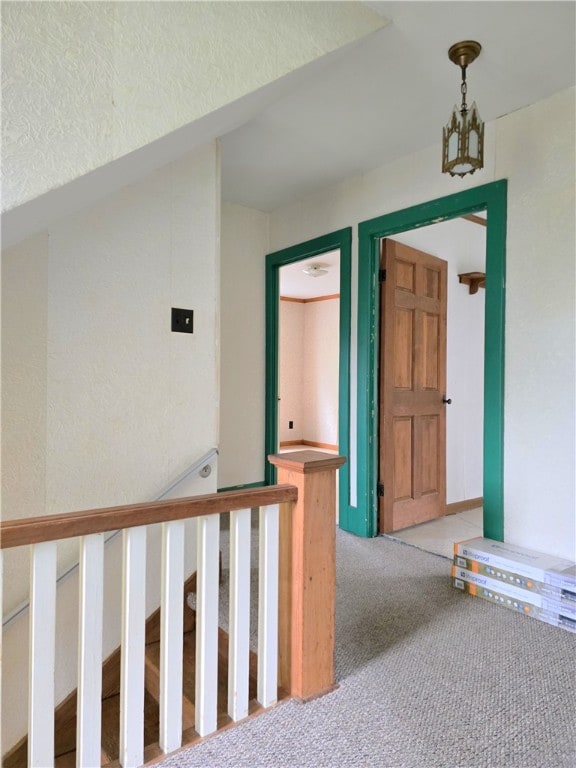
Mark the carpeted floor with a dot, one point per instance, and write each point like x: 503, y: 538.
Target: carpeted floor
x: 429, y: 678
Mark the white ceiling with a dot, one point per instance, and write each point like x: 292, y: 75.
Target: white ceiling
x: 391, y: 93
x: 354, y: 110
x: 297, y: 285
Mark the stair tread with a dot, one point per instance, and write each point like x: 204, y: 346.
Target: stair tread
x: 67, y: 760
x: 65, y: 740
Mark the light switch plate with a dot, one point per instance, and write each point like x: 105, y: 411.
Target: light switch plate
x: 182, y: 320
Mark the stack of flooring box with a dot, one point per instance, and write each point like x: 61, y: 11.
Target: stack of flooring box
x: 528, y: 582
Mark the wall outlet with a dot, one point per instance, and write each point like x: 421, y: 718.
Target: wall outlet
x: 290, y: 425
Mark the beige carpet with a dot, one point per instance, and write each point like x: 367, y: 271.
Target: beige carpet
x: 429, y: 678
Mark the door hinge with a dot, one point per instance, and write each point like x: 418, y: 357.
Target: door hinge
x: 382, y: 276
x: 380, y: 489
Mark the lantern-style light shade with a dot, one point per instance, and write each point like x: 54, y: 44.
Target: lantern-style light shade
x: 463, y: 142
x: 463, y: 136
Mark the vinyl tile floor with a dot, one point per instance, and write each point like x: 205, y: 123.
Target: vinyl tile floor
x: 438, y: 536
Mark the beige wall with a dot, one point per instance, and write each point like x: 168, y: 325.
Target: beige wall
x: 242, y: 352
x: 101, y: 403
x: 308, y: 370
x: 24, y: 376
x: 291, y: 371
x: 321, y: 365
x: 534, y: 149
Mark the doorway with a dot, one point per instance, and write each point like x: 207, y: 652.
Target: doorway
x: 492, y: 199
x: 340, y: 241
x: 432, y: 398
x: 308, y: 357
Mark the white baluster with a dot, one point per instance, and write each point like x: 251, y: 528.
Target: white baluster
x: 171, y: 635
x: 89, y: 706
x: 1, y: 640
x: 239, y: 642
x: 207, y: 625
x: 132, y: 654
x: 268, y: 606
x: 42, y: 646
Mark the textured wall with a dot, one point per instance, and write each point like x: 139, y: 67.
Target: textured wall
x: 24, y: 388
x: 101, y: 403
x: 534, y: 149
x: 291, y: 344
x: 465, y: 383
x: 242, y: 353
x: 308, y: 370
x: 87, y: 82
x: 24, y: 362
x: 540, y: 455
x: 116, y: 372
x: 321, y: 353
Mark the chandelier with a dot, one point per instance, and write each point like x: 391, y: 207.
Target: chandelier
x: 463, y: 136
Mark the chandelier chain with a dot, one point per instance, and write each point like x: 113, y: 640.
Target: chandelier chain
x: 464, y: 91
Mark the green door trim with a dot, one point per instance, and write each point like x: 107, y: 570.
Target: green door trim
x: 492, y: 198
x: 340, y: 240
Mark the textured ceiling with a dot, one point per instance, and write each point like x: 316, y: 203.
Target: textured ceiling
x: 391, y: 93
x: 346, y: 113
x: 84, y: 84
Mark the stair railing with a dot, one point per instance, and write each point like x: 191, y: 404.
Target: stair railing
x: 295, y: 608
x: 201, y: 467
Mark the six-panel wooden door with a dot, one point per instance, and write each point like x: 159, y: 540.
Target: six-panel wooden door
x: 412, y: 428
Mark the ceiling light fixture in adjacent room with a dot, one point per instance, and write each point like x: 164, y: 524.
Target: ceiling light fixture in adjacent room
x: 463, y: 137
x: 315, y: 270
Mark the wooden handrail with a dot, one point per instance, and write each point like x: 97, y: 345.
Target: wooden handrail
x: 32, y: 530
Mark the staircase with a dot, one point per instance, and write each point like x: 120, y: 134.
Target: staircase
x: 145, y: 703
x: 65, y: 713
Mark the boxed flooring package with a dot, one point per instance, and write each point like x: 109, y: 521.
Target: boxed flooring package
x: 558, y: 619
x: 515, y: 596
x: 520, y: 562
x: 514, y: 579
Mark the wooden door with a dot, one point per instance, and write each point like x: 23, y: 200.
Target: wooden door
x: 412, y: 428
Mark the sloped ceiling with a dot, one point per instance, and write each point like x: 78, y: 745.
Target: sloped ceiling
x: 391, y: 93
x: 87, y: 84
x: 363, y: 105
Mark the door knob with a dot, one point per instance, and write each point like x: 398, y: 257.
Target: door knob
x: 447, y: 400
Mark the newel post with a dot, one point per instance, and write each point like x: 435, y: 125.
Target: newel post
x: 307, y: 573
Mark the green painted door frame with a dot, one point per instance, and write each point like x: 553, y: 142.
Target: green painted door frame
x: 342, y: 241
x: 492, y: 198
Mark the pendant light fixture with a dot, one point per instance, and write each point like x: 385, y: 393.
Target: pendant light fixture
x: 463, y: 136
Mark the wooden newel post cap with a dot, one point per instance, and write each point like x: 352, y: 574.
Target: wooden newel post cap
x: 306, y: 462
